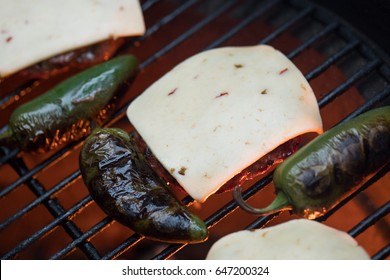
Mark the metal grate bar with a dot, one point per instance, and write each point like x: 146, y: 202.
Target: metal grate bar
x: 9, y: 98
x: 257, y: 13
x: 165, y: 20
x: 261, y: 221
x: 329, y: 28
x: 93, y: 230
x: 370, y: 104
x: 286, y: 25
x: 348, y: 83
x: 331, y: 60
x: 131, y: 241
x: 34, y: 237
x: 168, y: 252
x: 41, y: 199
x: 148, y: 4
x: 186, y: 34
x: 55, y: 209
x: 385, y: 71
x: 382, y: 254
x: 28, y: 174
x: 8, y: 155
x: 370, y: 220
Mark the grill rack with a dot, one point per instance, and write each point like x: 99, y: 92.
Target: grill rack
x: 376, y: 65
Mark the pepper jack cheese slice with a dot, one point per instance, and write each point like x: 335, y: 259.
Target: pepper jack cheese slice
x: 296, y: 239
x: 220, y: 111
x: 32, y: 31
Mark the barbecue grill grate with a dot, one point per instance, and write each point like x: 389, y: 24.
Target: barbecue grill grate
x: 48, y: 214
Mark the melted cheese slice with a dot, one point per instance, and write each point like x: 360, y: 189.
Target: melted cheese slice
x: 293, y: 240
x: 221, y: 110
x: 32, y: 31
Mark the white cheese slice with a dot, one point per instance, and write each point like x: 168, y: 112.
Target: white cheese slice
x: 32, y: 31
x: 293, y: 240
x: 221, y: 110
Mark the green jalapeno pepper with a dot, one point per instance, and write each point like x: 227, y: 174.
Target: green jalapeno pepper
x: 126, y: 188
x: 64, y: 112
x: 330, y: 167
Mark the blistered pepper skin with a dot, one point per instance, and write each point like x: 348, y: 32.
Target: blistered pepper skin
x: 124, y: 186
x: 63, y: 114
x: 329, y: 168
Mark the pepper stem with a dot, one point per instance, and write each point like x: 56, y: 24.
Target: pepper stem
x: 280, y: 203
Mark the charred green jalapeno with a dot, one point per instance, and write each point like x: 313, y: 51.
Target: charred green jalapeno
x: 127, y: 189
x: 330, y: 167
x: 64, y: 113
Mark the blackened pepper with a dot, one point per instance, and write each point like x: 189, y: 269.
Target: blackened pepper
x: 330, y: 167
x: 64, y: 113
x: 126, y: 188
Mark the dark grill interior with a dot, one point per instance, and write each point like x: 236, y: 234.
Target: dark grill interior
x: 46, y: 211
